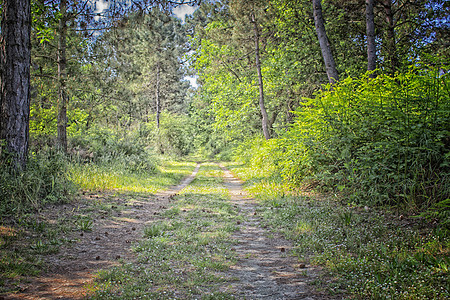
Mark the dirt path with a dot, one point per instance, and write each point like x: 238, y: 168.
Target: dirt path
x: 264, y: 268
x: 73, y: 268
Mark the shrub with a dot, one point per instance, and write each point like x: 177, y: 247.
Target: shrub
x: 381, y: 141
x: 127, y: 151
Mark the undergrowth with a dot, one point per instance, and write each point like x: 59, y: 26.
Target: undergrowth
x: 98, y: 177
x: 377, y: 142
x: 45, y: 181
x: 370, y: 254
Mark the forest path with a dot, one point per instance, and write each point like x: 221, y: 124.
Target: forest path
x: 73, y: 269
x: 265, y: 269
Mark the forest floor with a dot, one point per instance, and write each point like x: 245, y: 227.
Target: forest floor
x: 256, y: 265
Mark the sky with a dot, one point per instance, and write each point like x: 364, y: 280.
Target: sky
x: 181, y: 11
x: 100, y: 6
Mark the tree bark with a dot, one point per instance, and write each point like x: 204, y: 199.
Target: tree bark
x: 265, y: 118
x: 390, y: 36
x: 370, y: 31
x: 158, y: 100
x: 15, y: 61
x: 325, y: 47
x: 62, y: 76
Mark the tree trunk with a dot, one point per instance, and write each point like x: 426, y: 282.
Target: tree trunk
x: 62, y: 76
x: 390, y: 36
x: 15, y: 61
x: 265, y: 118
x: 325, y: 47
x: 158, y: 101
x: 370, y: 31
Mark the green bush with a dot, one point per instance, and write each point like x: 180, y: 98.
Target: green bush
x: 121, y: 151
x: 380, y: 141
x: 175, y: 135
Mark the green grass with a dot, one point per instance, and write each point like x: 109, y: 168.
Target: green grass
x: 100, y: 178
x: 369, y: 254
x: 183, y: 254
x: 23, y: 246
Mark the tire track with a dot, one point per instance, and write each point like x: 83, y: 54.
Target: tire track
x: 264, y: 269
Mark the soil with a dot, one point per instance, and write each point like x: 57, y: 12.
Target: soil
x: 265, y: 269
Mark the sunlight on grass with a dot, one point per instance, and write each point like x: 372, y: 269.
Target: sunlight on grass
x: 258, y: 182
x: 100, y: 178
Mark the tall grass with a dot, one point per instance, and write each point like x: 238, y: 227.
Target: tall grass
x: 98, y: 177
x: 45, y: 181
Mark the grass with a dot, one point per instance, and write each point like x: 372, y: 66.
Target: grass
x: 183, y: 254
x: 368, y: 253
x: 99, y: 178
x: 23, y: 246
x: 27, y: 238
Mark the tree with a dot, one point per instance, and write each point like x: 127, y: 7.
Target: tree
x: 138, y: 67
x: 370, y: 29
x: 15, y: 57
x: 247, y: 15
x: 265, y: 117
x: 391, y: 44
x: 324, y: 42
x: 62, y: 75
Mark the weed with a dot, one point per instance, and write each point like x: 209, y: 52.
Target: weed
x: 346, y: 217
x: 154, y: 230
x: 84, y: 223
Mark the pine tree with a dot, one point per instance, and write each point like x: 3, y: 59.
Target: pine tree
x: 15, y: 57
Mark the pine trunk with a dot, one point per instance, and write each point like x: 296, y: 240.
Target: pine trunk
x: 15, y: 60
x: 325, y: 47
x: 62, y: 93
x: 158, y: 101
x: 265, y: 118
x: 390, y: 36
x: 370, y: 31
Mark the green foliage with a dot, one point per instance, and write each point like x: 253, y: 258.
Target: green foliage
x: 127, y: 151
x: 84, y: 223
x: 45, y: 181
x: 382, y: 141
x: 175, y: 135
x: 258, y: 153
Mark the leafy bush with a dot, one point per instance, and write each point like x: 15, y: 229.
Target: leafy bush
x: 174, y: 136
x: 128, y: 151
x: 258, y: 153
x: 381, y: 141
